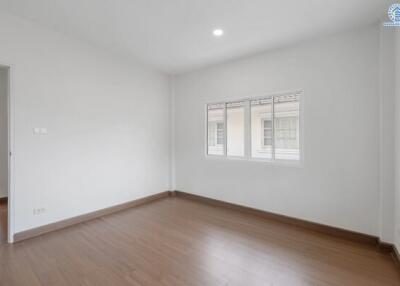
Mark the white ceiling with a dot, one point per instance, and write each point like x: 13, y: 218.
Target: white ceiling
x: 176, y: 35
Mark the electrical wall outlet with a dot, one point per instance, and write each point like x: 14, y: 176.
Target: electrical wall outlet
x: 39, y: 211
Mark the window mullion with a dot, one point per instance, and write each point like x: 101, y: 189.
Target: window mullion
x: 225, y: 131
x: 207, y: 132
x: 273, y: 128
x: 247, y: 130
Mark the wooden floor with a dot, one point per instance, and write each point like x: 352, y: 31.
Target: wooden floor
x: 175, y: 241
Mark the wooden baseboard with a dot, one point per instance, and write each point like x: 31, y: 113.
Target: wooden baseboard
x: 317, y: 227
x: 396, y: 256
x: 321, y: 228
x: 4, y: 200
x: 86, y: 217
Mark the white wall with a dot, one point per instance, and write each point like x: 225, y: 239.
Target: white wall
x: 386, y: 127
x: 339, y: 184
x: 107, y: 120
x: 3, y: 133
x: 397, y: 142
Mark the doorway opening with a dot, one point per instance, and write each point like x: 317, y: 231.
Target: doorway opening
x: 4, y: 153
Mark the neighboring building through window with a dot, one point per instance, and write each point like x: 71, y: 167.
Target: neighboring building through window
x: 215, y: 133
x: 273, y: 126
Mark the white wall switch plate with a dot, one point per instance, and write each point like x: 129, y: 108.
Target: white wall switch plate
x: 39, y: 131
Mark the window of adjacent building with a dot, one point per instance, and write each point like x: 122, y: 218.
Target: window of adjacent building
x: 287, y: 127
x: 262, y: 129
x: 220, y: 133
x: 267, y: 133
x: 216, y: 129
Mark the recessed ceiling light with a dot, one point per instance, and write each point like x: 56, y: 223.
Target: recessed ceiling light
x: 218, y: 32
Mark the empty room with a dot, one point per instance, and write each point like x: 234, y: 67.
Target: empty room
x: 199, y: 142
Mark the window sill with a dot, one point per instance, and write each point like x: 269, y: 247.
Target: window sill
x: 277, y: 163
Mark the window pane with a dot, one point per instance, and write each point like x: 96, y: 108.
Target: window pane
x: 235, y: 128
x: 261, y: 128
x: 287, y: 139
x: 215, y: 126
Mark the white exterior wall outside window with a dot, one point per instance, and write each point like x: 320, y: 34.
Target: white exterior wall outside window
x: 273, y: 128
x: 235, y: 118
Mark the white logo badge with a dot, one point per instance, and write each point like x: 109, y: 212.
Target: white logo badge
x: 394, y: 16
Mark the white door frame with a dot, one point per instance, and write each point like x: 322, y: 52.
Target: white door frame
x: 11, y: 134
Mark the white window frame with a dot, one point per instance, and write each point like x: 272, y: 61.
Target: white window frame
x: 247, y: 131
